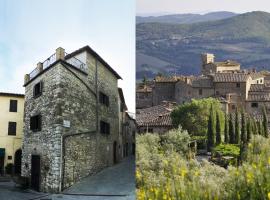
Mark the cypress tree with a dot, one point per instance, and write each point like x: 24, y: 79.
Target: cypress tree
x: 265, y: 123
x: 243, y: 128
x: 249, y: 129
x: 231, y: 130
x: 210, y: 131
x: 218, y: 129
x: 237, y: 127
x: 226, y: 130
x: 255, y: 127
x: 259, y: 125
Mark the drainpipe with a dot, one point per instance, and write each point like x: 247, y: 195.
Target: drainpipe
x: 97, y: 96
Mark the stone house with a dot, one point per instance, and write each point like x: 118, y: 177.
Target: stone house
x: 71, y: 120
x: 222, y: 80
x: 11, y: 130
x: 155, y: 119
x: 127, y: 128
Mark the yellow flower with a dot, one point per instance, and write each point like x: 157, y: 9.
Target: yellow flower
x: 254, y: 165
x: 138, y: 175
x: 269, y: 160
x: 249, y: 145
x: 269, y: 195
x: 183, y: 172
x: 196, y: 173
x: 249, y: 176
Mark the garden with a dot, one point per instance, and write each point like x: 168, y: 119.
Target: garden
x: 238, y: 167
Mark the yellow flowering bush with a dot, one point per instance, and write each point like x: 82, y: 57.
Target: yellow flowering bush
x: 167, y: 173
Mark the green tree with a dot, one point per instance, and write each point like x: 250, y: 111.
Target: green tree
x: 144, y: 80
x: 237, y: 127
x: 193, y: 116
x: 231, y: 130
x: 243, y: 128
x: 260, y: 130
x: 210, y: 131
x: 249, y: 129
x: 265, y: 123
x: 226, y: 130
x: 218, y: 130
x: 255, y: 127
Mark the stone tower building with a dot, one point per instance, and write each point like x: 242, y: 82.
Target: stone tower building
x: 71, y: 119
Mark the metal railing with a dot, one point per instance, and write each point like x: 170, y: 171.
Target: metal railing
x: 77, y: 63
x: 52, y: 59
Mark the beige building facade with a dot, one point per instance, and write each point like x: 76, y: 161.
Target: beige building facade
x: 11, y: 130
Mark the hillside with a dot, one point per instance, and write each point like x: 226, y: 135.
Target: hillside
x: 245, y: 38
x: 185, y: 18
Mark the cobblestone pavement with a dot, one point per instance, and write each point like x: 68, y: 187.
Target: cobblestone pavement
x: 114, y: 183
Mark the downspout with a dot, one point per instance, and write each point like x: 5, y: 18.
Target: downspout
x: 97, y: 117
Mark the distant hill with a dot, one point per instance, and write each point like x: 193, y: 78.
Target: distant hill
x: 177, y: 47
x: 185, y: 18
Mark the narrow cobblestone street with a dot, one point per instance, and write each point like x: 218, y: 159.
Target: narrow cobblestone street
x: 113, y: 183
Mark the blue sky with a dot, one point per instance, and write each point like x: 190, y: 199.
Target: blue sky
x: 160, y: 7
x: 31, y: 30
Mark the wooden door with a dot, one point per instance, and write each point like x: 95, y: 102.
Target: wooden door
x: 35, y: 172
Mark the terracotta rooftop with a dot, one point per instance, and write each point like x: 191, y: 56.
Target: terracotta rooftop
x: 231, y: 77
x: 263, y: 96
x: 156, y: 115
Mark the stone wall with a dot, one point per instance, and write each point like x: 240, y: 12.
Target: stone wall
x: 47, y: 142
x: 163, y: 92
x: 69, y: 98
x: 81, y: 158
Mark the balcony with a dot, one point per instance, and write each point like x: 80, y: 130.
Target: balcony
x: 59, y: 55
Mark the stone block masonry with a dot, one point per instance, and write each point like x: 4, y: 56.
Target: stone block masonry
x: 69, y: 143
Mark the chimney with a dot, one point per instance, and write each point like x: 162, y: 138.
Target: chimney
x: 26, y: 78
x: 60, y: 53
x: 40, y: 67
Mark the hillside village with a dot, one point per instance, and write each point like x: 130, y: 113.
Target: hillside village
x: 226, y: 81
x: 71, y: 122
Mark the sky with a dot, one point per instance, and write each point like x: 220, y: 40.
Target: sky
x: 31, y: 30
x: 161, y: 7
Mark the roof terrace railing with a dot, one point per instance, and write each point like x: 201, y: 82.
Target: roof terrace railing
x: 77, y: 63
x: 60, y: 54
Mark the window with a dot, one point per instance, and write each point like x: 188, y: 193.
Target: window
x: 35, y: 123
x: 233, y: 107
x: 9, y: 157
x: 261, y: 81
x: 13, y: 105
x: 217, y: 92
x: 37, y: 90
x: 200, y: 91
x: 238, y: 85
x: 12, y: 128
x: 104, y: 127
x: 254, y: 105
x: 103, y: 98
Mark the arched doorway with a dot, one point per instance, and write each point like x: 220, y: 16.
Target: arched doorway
x: 18, y: 162
x: 114, y: 152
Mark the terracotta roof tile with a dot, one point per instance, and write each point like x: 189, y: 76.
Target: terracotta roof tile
x: 231, y: 77
x: 156, y: 115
